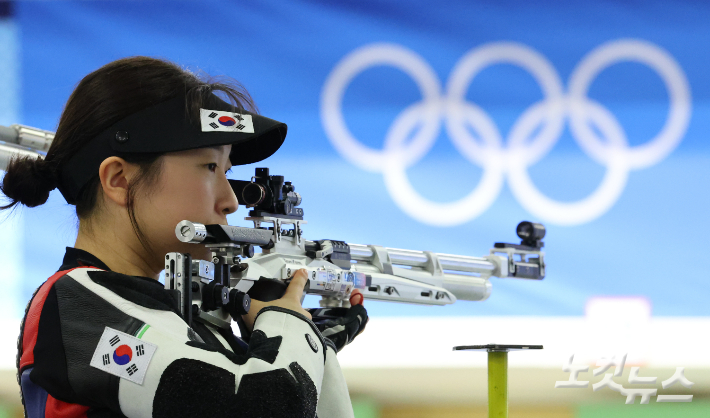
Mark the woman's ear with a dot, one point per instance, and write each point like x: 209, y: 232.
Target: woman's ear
x: 115, y: 174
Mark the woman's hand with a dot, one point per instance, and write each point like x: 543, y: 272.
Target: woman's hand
x: 357, y: 298
x: 342, y: 325
x: 291, y: 300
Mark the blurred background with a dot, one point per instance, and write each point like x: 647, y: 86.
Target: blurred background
x: 439, y: 127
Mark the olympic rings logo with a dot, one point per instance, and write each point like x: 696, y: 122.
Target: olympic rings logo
x: 532, y: 136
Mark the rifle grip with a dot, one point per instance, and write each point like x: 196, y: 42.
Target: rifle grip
x: 267, y: 290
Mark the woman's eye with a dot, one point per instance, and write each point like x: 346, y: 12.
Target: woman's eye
x: 212, y: 166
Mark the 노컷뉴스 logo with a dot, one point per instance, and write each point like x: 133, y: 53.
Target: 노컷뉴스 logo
x: 631, y: 393
x: 595, y: 129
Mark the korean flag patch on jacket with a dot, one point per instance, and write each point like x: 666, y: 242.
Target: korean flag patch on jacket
x: 123, y: 355
x: 220, y: 121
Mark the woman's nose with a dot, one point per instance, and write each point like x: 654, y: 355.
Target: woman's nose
x: 228, y: 202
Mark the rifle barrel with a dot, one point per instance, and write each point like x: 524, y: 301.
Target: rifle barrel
x: 415, y: 258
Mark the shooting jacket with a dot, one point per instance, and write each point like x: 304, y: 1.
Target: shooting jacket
x: 95, y: 343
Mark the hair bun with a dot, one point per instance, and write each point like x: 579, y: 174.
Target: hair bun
x: 28, y: 181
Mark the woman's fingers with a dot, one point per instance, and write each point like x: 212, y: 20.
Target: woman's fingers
x: 295, y: 288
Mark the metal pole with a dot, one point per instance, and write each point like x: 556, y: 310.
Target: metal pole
x: 498, y: 384
x: 498, y: 374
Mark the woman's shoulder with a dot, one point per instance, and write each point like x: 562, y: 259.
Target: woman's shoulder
x: 143, y: 291
x: 116, y: 288
x: 83, y: 302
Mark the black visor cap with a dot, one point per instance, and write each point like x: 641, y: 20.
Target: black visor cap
x: 169, y: 127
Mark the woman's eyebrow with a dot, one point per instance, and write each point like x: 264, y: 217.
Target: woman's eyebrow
x: 217, y: 148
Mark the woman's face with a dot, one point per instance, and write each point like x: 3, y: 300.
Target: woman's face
x: 192, y: 186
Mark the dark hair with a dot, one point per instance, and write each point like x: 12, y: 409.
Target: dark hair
x: 102, y: 98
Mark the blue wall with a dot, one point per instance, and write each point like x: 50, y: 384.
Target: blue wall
x: 648, y: 240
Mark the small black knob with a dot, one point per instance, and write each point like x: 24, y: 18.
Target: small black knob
x: 248, y: 251
x: 121, y: 137
x: 195, y: 287
x: 239, y: 303
x: 213, y: 296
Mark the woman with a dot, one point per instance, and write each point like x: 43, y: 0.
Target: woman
x: 137, y: 150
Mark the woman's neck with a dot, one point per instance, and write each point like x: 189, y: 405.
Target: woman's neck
x: 121, y: 254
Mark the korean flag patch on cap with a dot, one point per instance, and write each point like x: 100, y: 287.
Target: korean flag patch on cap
x: 220, y: 121
x: 123, y: 355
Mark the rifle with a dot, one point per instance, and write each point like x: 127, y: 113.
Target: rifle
x: 20, y: 140
x: 217, y: 289
x: 221, y: 288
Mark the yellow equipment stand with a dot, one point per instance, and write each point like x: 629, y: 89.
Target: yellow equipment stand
x: 498, y: 374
